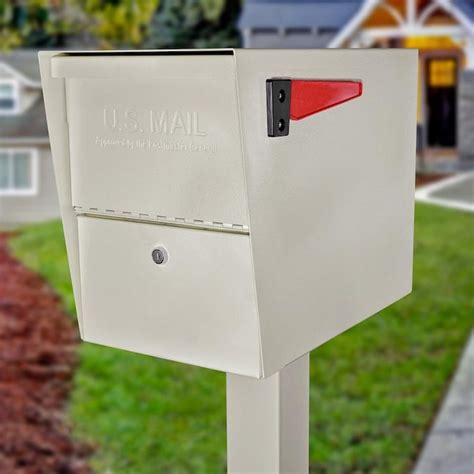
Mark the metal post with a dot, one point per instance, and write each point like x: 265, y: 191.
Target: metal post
x: 268, y: 421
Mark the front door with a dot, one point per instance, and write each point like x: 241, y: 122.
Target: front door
x: 441, y: 91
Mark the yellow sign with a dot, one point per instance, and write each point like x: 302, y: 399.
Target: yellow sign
x: 442, y: 72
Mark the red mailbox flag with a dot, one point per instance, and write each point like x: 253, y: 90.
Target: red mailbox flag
x: 309, y: 97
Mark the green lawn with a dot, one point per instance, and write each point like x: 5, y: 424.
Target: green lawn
x: 374, y: 389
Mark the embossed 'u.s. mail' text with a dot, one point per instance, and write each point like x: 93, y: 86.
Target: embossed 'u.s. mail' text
x: 159, y: 122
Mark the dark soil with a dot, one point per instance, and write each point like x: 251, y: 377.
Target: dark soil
x: 38, y: 345
x: 422, y: 179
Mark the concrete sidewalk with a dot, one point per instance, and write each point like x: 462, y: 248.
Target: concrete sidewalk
x: 449, y: 448
x: 456, y: 192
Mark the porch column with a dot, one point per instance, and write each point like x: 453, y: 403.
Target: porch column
x: 469, y: 52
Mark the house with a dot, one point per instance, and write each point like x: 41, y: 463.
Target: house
x: 294, y: 23
x: 442, y: 30
x: 27, y: 186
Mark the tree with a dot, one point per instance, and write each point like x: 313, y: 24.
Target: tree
x: 119, y: 23
x: 194, y: 24
x: 35, y: 23
x: 59, y: 23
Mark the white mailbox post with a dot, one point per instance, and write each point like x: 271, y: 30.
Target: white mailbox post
x: 207, y: 223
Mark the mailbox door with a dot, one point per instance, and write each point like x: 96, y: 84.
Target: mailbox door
x: 199, y: 307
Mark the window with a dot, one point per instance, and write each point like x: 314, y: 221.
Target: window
x: 9, y: 103
x: 327, y: 30
x: 301, y: 30
x: 265, y: 31
x: 18, y: 172
x: 442, y: 72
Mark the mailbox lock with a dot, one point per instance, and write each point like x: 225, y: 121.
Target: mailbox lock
x: 159, y: 255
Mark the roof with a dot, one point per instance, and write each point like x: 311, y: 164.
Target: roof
x: 466, y: 6
x: 461, y: 10
x: 31, y: 124
x: 24, y: 61
x: 28, y: 125
x: 331, y: 14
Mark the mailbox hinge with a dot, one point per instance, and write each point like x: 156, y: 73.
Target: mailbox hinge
x: 161, y: 220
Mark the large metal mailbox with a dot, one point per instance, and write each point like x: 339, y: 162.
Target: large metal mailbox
x: 193, y: 235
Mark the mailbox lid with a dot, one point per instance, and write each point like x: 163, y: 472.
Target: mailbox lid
x: 155, y: 135
x: 198, y: 308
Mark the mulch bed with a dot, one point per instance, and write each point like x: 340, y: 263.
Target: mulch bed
x: 38, y: 345
x: 424, y: 179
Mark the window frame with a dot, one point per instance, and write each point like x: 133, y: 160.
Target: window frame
x: 16, y: 97
x: 34, y: 172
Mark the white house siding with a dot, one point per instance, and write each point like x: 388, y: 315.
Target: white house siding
x: 4, y: 74
x: 257, y: 39
x: 466, y: 118
x: 19, y: 210
x: 28, y: 96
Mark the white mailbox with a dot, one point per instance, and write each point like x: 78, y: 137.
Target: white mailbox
x: 207, y: 223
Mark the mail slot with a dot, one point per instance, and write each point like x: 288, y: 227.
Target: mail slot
x: 233, y: 209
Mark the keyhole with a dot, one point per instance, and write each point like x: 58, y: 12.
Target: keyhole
x: 159, y: 255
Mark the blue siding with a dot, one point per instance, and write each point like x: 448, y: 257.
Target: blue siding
x: 325, y: 14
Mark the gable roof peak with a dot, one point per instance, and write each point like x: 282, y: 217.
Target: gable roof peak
x: 23, y: 63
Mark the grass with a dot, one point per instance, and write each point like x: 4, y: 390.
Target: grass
x: 374, y: 389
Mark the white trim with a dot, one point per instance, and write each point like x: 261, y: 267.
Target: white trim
x: 16, y: 97
x: 34, y: 164
x: 469, y: 53
x: 366, y: 8
x: 427, y: 12
x: 410, y: 6
x: 24, y: 141
x: 403, y: 31
x: 423, y: 194
x: 410, y: 27
x: 450, y: 8
x: 20, y: 76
